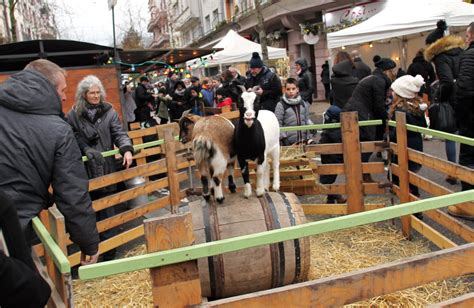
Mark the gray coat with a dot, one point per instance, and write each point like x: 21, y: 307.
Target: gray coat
x: 293, y: 113
x: 38, y: 150
x: 101, y: 133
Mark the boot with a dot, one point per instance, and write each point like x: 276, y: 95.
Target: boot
x: 367, y: 178
x: 451, y: 180
x: 463, y: 210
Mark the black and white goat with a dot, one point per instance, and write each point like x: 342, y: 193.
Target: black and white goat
x: 256, y: 138
x: 213, y: 150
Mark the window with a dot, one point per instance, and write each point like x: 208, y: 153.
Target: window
x: 215, y: 17
x: 207, y: 23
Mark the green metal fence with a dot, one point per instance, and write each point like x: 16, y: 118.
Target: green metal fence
x: 264, y: 238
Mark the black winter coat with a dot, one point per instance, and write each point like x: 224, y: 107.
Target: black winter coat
x: 420, y: 66
x: 414, y: 140
x: 465, y: 93
x: 305, y: 81
x: 142, y: 99
x: 362, y: 70
x: 445, y: 54
x: 38, y: 150
x: 271, y: 86
x: 368, y: 99
x: 331, y: 135
x: 22, y: 285
x: 101, y: 134
x: 343, y: 83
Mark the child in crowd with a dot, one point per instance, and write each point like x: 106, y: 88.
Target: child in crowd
x: 207, y: 92
x: 292, y: 110
x: 195, y: 100
x: 331, y: 135
x: 163, y: 100
x: 405, y: 99
x: 222, y: 98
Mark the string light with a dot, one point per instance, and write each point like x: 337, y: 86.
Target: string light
x: 343, y: 47
x: 371, y: 45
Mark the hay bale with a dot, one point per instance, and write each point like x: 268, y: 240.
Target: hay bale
x: 331, y: 254
x: 357, y: 248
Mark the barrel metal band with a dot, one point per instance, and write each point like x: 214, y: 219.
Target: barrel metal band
x: 210, y: 260
x: 296, y: 242
x: 218, y: 260
x: 281, y: 247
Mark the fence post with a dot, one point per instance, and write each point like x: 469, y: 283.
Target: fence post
x: 171, y: 165
x: 352, y: 162
x: 176, y: 285
x: 63, y: 282
x: 404, y: 184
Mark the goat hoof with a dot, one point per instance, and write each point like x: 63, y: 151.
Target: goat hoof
x: 220, y: 200
x: 276, y: 187
x: 260, y: 192
x: 207, y: 197
x: 233, y: 188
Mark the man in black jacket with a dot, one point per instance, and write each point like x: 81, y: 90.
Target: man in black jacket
x: 420, y: 66
x: 305, y: 80
x: 143, y: 100
x: 268, y: 83
x: 21, y: 284
x: 465, y: 118
x: 361, y: 70
x: 39, y: 150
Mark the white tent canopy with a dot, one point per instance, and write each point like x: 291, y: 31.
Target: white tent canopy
x: 239, y: 49
x: 404, y: 17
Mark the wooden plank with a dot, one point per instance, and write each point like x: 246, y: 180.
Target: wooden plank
x: 132, y: 214
x: 464, y: 301
x: 363, y: 284
x: 352, y: 162
x: 63, y: 283
x: 132, y: 193
x: 269, y: 237
x: 431, y: 234
x: 148, y: 152
x: 374, y: 167
x: 452, y: 224
x: 140, y: 133
x: 335, y: 209
x: 51, y: 247
x: 114, y: 242
x: 124, y: 175
x: 173, y: 181
x: 308, y: 188
x: 176, y: 285
x: 460, y: 172
x: 404, y: 185
x: 336, y: 148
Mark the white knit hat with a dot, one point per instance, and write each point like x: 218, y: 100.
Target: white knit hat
x: 408, y: 86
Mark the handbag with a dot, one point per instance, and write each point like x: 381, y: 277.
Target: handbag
x: 442, y: 117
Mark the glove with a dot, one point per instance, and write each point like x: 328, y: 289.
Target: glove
x: 94, y: 155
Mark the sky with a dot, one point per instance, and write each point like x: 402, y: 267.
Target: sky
x: 91, y: 20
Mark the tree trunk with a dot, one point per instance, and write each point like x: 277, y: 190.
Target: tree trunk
x: 261, y: 32
x: 11, y: 7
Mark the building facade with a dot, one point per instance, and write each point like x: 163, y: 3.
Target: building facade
x: 202, y: 23
x: 159, y: 24
x: 34, y: 19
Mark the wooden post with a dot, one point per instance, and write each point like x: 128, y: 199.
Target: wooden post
x: 63, y: 282
x: 176, y: 285
x: 173, y: 181
x: 352, y: 162
x: 404, y: 184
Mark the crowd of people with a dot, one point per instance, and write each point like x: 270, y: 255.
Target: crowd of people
x: 31, y: 108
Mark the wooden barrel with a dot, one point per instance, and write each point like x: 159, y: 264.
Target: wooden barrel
x: 252, y: 269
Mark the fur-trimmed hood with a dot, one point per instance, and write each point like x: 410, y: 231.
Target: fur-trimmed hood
x: 442, y: 45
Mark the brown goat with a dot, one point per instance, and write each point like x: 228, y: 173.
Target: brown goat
x: 213, y: 150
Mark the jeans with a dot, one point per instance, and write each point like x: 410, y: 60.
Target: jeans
x: 450, y: 147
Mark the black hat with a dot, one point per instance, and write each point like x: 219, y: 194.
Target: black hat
x: 437, y: 33
x: 332, y: 114
x: 144, y: 78
x: 385, y: 64
x: 256, y: 61
x: 194, y: 79
x: 376, y: 58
